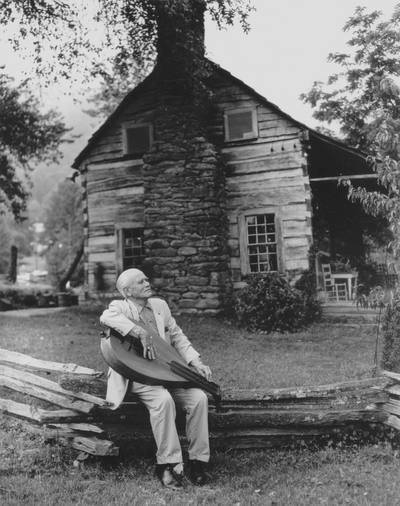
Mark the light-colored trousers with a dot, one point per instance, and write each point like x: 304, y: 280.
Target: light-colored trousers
x: 162, y: 405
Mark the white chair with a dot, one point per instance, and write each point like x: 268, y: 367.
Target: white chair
x: 333, y: 291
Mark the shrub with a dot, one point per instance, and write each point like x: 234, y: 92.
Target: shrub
x: 391, y: 338
x: 269, y: 303
x: 22, y: 297
x: 307, y: 284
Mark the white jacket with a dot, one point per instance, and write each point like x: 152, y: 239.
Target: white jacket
x: 119, y: 316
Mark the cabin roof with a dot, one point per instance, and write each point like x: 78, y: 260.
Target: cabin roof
x: 354, y: 157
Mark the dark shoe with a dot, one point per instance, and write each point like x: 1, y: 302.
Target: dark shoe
x: 196, y: 472
x: 166, y: 474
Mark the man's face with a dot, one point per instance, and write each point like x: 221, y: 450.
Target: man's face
x: 139, y: 288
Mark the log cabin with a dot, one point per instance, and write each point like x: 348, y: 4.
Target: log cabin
x: 257, y: 190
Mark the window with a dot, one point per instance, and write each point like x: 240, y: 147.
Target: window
x: 260, y: 242
x: 132, y: 247
x: 241, y: 124
x: 137, y: 138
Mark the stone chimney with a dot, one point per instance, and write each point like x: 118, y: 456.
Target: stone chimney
x: 184, y: 179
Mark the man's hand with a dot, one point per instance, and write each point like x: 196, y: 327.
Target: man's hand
x: 149, y: 350
x: 202, y: 369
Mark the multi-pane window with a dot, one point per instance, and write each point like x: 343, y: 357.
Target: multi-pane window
x: 133, y: 248
x: 262, y: 245
x: 241, y: 124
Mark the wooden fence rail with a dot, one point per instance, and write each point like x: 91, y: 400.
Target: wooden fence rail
x: 72, y: 408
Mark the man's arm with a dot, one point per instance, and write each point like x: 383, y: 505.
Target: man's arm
x: 184, y: 346
x: 115, y: 318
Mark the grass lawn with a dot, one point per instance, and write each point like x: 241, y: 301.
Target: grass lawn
x: 32, y: 472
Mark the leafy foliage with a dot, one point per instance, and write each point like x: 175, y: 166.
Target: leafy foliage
x: 22, y: 297
x: 82, y: 38
x: 269, y: 303
x: 391, y: 338
x: 363, y: 98
x: 366, y: 103
x: 26, y: 136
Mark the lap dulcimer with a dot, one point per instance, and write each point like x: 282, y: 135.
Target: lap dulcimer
x: 124, y: 354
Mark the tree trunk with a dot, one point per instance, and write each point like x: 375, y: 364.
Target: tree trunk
x: 12, y: 272
x: 67, y: 276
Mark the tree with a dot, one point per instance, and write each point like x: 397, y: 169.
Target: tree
x: 12, y: 233
x: 63, y: 223
x: 75, y: 38
x: 365, y: 101
x: 27, y: 136
x: 364, y: 98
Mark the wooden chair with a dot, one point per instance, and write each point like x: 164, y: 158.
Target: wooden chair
x: 333, y: 291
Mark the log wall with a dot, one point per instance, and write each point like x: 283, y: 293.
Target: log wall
x: 267, y: 173
x: 113, y: 193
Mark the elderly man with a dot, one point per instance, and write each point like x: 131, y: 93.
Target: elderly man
x: 137, y: 305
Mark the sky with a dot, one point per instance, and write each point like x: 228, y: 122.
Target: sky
x: 284, y: 53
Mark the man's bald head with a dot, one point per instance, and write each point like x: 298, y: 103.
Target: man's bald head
x: 126, y: 278
x: 133, y: 284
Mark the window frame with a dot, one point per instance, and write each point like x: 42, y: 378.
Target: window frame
x: 119, y: 246
x: 232, y: 112
x: 131, y: 125
x: 244, y: 244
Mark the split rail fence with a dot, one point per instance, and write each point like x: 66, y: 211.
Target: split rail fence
x: 71, y: 408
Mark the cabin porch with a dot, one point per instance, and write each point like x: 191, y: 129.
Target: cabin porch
x: 346, y: 313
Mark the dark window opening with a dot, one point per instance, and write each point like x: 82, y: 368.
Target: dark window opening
x: 137, y: 139
x: 133, y: 248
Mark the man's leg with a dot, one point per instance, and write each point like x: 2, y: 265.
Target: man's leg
x: 195, y: 403
x: 162, y: 412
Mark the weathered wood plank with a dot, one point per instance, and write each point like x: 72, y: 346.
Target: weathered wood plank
x: 100, y: 167
x: 392, y: 406
x: 393, y: 390
x: 263, y: 165
x: 124, y: 173
x: 286, y: 186
x: 116, y: 184
x: 263, y: 196
x: 52, y: 386
x: 392, y: 375
x: 271, y: 178
x: 81, y: 384
x: 95, y: 446
x: 291, y: 211
x: 311, y: 418
x: 258, y: 149
x: 115, y: 148
x: 20, y: 410
x: 107, y: 249
x: 21, y: 360
x: 101, y: 256
x: 393, y: 421
x: 305, y: 391
x: 107, y: 196
x: 73, y: 427
x: 46, y: 395
x: 61, y: 416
